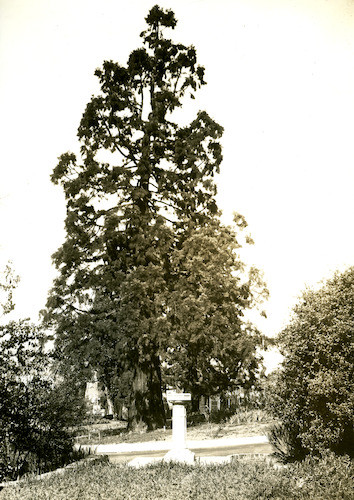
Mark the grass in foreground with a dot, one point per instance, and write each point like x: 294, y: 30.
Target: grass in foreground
x: 327, y: 479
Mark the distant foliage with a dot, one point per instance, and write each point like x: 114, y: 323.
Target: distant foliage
x: 314, y: 392
x: 250, y: 417
x: 8, y: 283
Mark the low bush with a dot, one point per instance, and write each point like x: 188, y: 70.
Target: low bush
x: 286, y: 442
x: 220, y: 416
x: 250, y: 417
x: 196, y: 418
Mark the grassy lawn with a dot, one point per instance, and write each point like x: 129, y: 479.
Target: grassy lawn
x: 250, y: 423
x: 202, y: 431
x: 257, y: 479
x: 331, y: 478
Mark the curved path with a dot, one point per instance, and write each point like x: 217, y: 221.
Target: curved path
x: 204, y: 448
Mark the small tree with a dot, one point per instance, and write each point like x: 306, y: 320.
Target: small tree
x: 35, y: 412
x: 314, y: 394
x: 212, y: 347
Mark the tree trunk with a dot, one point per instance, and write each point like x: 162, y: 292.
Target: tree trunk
x: 147, y: 409
x: 195, y: 403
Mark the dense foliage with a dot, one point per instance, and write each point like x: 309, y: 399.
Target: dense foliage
x: 35, y: 413
x: 314, y: 392
x: 330, y: 478
x: 36, y: 410
x: 211, y: 347
x: 142, y: 191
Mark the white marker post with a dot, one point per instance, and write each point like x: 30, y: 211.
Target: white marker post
x: 179, y: 452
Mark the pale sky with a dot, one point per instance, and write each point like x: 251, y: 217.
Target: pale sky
x: 280, y: 79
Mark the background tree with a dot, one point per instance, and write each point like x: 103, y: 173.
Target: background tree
x: 212, y: 348
x: 314, y: 393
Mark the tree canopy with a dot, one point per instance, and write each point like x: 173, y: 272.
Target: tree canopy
x: 142, y: 186
x: 212, y: 348
x: 314, y: 394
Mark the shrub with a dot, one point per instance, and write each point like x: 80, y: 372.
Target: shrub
x: 35, y: 413
x: 314, y: 392
x: 219, y: 416
x: 287, y: 444
x: 195, y: 418
x: 250, y: 417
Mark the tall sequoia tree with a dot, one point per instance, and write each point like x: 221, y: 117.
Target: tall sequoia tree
x: 141, y: 181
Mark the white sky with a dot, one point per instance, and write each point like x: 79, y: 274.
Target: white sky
x: 280, y: 79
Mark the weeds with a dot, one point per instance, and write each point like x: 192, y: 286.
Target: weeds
x: 250, y: 417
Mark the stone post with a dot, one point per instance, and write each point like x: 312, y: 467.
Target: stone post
x: 179, y: 452
x: 179, y: 425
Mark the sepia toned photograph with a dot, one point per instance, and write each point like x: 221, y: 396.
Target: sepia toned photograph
x: 177, y: 249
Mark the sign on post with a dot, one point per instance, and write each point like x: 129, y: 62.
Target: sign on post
x: 178, y: 397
